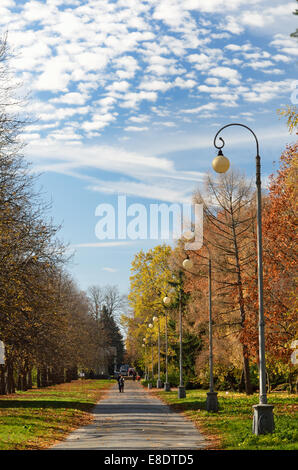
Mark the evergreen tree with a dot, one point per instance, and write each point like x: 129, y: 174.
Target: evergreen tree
x: 109, y: 326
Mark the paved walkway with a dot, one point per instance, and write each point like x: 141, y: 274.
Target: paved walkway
x: 134, y: 420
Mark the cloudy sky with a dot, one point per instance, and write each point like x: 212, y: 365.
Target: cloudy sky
x: 125, y: 97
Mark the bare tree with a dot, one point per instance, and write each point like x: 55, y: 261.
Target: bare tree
x: 96, y: 300
x: 114, y: 301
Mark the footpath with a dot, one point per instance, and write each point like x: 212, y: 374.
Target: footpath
x: 134, y: 420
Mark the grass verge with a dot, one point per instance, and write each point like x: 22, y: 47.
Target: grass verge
x: 231, y: 427
x: 38, y: 418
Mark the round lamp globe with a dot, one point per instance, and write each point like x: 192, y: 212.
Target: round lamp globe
x: 220, y: 164
x: 187, y: 264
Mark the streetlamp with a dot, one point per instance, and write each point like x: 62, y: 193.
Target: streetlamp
x: 145, y: 357
x: 152, y: 365
x: 181, y: 388
x: 263, y: 421
x: 158, y: 383
x: 212, y: 402
x: 144, y: 346
x: 167, y: 302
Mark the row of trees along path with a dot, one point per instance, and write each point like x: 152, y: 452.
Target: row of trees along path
x: 48, y: 325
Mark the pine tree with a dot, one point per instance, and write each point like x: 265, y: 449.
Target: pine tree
x: 109, y: 326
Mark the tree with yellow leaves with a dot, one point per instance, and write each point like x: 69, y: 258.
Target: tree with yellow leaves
x: 148, y: 286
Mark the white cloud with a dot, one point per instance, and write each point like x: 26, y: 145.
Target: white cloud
x: 212, y: 6
x: 232, y: 25
x: 232, y: 75
x: 260, y: 64
x: 55, y: 75
x: 71, y: 98
x: 108, y: 244
x: 212, y: 81
x: 205, y: 107
x: 182, y: 83
x: 121, y: 86
x: 139, y: 119
x: 97, y: 61
x: 253, y: 19
x: 280, y: 58
x: 263, y: 92
x: 155, y: 85
x: 30, y: 136
x: 166, y: 124
x: 62, y: 113
x: 99, y: 121
x: 143, y: 190
x: 136, y: 129
x: 213, y: 89
x: 132, y: 100
x: 126, y: 66
x: 285, y: 44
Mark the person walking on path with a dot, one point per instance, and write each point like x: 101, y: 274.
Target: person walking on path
x: 121, y: 383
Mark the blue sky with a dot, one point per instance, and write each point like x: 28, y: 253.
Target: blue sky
x: 127, y: 95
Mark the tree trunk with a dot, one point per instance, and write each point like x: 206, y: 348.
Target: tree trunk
x: 10, y: 378
x: 68, y: 375
x: 241, y: 385
x: 24, y: 379
x: 19, y: 381
x: 248, y: 386
x: 3, y: 380
x: 38, y: 378
x: 51, y: 377
x: 29, y: 378
x: 75, y: 373
x: 246, y: 371
x: 60, y: 375
x: 44, y: 377
x: 268, y: 382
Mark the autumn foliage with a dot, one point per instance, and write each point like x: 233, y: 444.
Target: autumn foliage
x: 46, y: 322
x: 230, y: 242
x: 279, y: 242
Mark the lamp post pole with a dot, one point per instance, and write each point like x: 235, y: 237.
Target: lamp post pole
x: 146, y: 365
x: 166, y: 302
x: 181, y: 388
x: 152, y: 362
x: 166, y: 385
x: 152, y: 371
x: 158, y: 383
x: 145, y: 357
x: 147, y: 374
x: 263, y: 421
x: 212, y: 402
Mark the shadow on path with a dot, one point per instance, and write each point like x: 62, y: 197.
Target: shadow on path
x: 134, y: 420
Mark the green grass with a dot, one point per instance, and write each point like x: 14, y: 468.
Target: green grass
x: 37, y: 418
x: 231, y: 427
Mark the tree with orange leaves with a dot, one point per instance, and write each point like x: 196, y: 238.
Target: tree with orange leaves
x: 279, y: 254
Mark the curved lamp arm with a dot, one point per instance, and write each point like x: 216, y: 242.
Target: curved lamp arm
x: 219, y: 147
